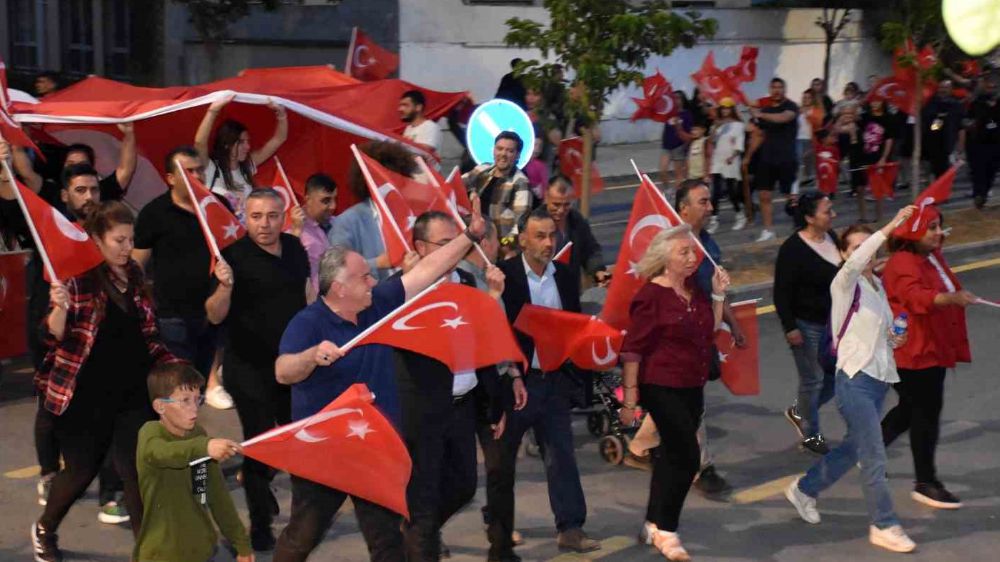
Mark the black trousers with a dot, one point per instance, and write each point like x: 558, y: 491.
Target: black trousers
x: 313, y: 508
x: 677, y: 413
x: 458, y: 479
x: 87, y: 432
x: 726, y: 187
x: 921, y: 397
x: 46, y: 444
x: 984, y: 163
x: 258, y: 415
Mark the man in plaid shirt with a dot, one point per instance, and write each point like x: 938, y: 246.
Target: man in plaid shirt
x: 501, y: 187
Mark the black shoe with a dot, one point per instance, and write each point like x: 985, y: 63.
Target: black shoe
x: 509, y: 557
x: 793, y: 417
x: 710, y: 483
x: 934, y: 494
x: 262, y: 539
x: 979, y: 202
x: 815, y: 444
x: 45, y: 544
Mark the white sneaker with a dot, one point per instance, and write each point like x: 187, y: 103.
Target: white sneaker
x: 647, y: 532
x: 713, y: 225
x: 893, y: 538
x: 805, y: 505
x: 765, y: 236
x: 218, y: 398
x: 741, y: 221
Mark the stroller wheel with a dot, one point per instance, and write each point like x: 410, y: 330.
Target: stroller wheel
x: 612, y: 449
x: 598, y: 424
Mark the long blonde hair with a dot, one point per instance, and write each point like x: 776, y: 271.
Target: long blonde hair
x: 654, y: 261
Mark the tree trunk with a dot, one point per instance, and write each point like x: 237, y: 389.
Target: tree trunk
x: 588, y: 157
x: 826, y: 62
x: 918, y: 133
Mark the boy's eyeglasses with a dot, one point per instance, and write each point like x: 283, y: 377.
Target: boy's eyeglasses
x: 186, y: 402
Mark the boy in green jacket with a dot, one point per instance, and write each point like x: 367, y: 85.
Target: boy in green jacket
x: 176, y: 497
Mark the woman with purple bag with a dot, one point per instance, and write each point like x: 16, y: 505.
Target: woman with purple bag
x: 865, y: 335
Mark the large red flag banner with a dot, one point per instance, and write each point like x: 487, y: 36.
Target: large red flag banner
x: 348, y: 445
x: 562, y: 336
x: 10, y: 130
x: 459, y: 326
x: 366, y: 60
x: 13, y: 304
x: 741, y: 366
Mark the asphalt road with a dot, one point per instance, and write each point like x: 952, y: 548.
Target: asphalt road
x: 753, y: 445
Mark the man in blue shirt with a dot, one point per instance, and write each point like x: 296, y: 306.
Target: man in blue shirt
x: 312, y: 361
x: 694, y: 205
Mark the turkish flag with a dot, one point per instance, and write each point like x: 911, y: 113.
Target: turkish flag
x: 651, y: 213
x: 453, y: 189
x: 657, y: 102
x: 882, y: 178
x: 715, y: 84
x: 66, y: 245
x: 11, y: 130
x: 970, y: 68
x: 565, y: 254
x: 289, y: 195
x: 13, y: 304
x: 459, y: 326
x: 740, y: 366
x: 935, y: 194
x: 218, y: 225
x: 561, y: 336
x: 899, y: 91
x: 746, y: 69
x: 827, y: 167
x: 348, y: 446
x: 367, y: 61
x: 571, y: 166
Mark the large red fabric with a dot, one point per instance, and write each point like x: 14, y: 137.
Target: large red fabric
x: 459, y: 326
x: 10, y: 130
x: 658, y: 102
x: 561, y: 336
x: 571, y: 166
x: 327, y: 112
x: 565, y: 254
x: 935, y: 194
x: 827, y: 167
x: 715, y: 84
x: 349, y: 446
x: 882, y: 178
x: 218, y: 225
x: 741, y: 366
x: 68, y: 247
x: 366, y: 60
x: 13, y: 304
x: 650, y: 215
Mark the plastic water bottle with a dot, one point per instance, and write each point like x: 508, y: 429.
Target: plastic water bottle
x: 900, y: 325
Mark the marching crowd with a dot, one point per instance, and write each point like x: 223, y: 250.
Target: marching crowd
x: 264, y: 332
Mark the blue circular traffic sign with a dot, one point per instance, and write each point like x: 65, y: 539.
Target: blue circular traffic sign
x: 492, y: 118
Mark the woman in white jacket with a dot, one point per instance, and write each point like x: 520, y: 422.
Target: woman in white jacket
x: 861, y: 323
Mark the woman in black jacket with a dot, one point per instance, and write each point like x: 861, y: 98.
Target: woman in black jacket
x: 807, y: 263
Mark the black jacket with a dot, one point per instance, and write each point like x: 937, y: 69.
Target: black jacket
x: 802, y: 281
x: 516, y: 294
x: 586, y: 255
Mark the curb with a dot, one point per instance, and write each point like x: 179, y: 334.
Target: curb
x: 955, y: 254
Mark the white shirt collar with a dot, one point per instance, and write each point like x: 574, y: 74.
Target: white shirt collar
x: 550, y: 269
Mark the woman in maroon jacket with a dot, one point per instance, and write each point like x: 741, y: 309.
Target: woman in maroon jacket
x: 919, y: 283
x: 666, y: 359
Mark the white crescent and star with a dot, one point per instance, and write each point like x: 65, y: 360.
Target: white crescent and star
x: 68, y: 229
x: 304, y: 435
x: 607, y: 358
x: 230, y: 230
x: 357, y: 56
x: 453, y: 323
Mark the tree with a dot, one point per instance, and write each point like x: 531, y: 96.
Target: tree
x: 831, y: 26
x: 919, y: 22
x: 604, y: 44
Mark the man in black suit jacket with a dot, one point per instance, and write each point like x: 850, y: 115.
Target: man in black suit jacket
x: 532, y: 277
x: 586, y: 255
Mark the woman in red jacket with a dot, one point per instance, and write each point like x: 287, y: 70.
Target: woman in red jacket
x: 920, y: 283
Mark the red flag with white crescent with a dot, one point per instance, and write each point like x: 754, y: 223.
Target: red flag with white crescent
x: 650, y: 215
x: 219, y: 226
x: 459, y: 326
x: 565, y: 254
x: 715, y: 84
x: 289, y: 196
x: 571, y: 166
x: 561, y: 336
x: 658, y: 102
x: 740, y: 366
x: 935, y: 194
x: 827, y: 167
x: 64, y: 244
x: 882, y: 178
x: 367, y: 61
x: 746, y: 69
x: 10, y: 130
x: 349, y: 446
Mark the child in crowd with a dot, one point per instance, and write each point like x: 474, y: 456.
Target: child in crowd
x: 537, y: 171
x: 698, y: 154
x: 178, y: 498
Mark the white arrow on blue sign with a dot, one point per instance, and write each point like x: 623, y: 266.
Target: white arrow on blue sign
x: 492, y: 118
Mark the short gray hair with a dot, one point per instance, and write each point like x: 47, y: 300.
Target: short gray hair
x: 333, y: 262
x: 654, y: 261
x: 266, y: 193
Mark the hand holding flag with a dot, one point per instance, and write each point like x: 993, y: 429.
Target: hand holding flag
x: 218, y: 225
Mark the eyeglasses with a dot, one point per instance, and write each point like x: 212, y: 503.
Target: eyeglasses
x: 186, y: 402
x: 441, y: 243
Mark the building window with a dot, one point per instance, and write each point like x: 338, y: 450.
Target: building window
x: 24, y: 18
x: 77, y: 27
x: 117, y: 39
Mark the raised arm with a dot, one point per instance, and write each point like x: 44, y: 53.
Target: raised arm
x: 260, y: 155
x: 207, y: 123
x: 24, y: 168
x: 128, y: 157
x: 434, y: 266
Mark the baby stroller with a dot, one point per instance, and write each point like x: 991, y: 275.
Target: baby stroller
x: 604, y: 422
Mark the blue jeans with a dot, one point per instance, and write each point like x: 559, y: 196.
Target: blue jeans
x: 816, y: 384
x: 859, y: 400
x: 191, y: 339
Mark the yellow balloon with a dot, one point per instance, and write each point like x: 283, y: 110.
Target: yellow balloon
x: 974, y: 25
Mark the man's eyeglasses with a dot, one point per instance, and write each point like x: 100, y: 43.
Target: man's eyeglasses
x: 186, y: 402
x: 441, y: 243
